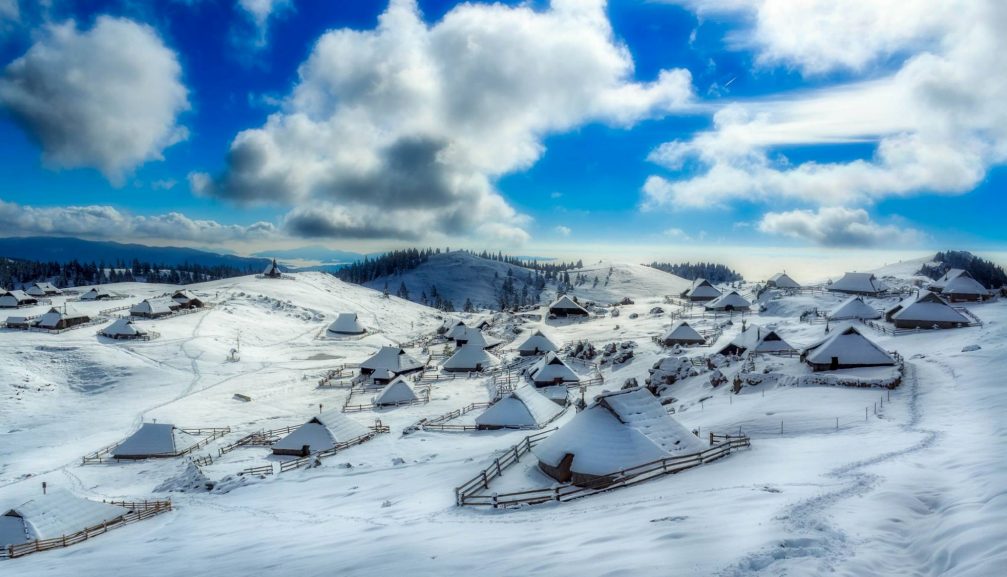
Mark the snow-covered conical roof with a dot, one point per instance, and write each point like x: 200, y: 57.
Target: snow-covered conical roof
x: 537, y: 343
x: 783, y: 280
x: 702, y: 288
x: 550, y: 369
x: 396, y: 392
x: 525, y: 407
x: 854, y: 308
x: 469, y: 357
x: 322, y: 432
x: 392, y: 359
x: 681, y: 331
x: 620, y: 430
x: 850, y: 348
x: 347, y: 324
x: 858, y: 283
x: 123, y: 328
x: 731, y: 300
x: 929, y: 307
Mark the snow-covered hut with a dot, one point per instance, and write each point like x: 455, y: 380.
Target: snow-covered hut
x: 858, y: 283
x: 20, y: 322
x: 154, y: 308
x: 854, y: 308
x: 925, y: 311
x: 469, y: 358
x: 397, y: 392
x: 154, y: 440
x: 551, y: 370
x: 187, y: 300
x: 566, y: 307
x: 347, y: 324
x: 388, y: 363
x: 959, y: 285
x: 728, y: 302
x: 56, y: 514
x: 62, y: 318
x: 123, y: 329
x: 757, y: 339
x: 43, y: 289
x: 97, y: 294
x: 782, y: 280
x: 701, y: 291
x: 323, y: 432
x: 536, y: 344
x: 618, y: 431
x: 15, y: 299
x: 523, y: 408
x: 681, y: 333
x: 846, y: 349
x: 272, y: 270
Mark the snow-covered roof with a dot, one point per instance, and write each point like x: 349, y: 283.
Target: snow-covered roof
x: 469, y: 357
x: 619, y: 430
x: 59, y: 513
x: 155, y: 306
x: 858, y: 282
x: 783, y: 280
x: 392, y: 359
x: 122, y: 327
x: 51, y: 319
x: 757, y: 339
x: 347, y: 324
x: 322, y: 432
x: 928, y: 306
x: 550, y: 369
x: 701, y: 288
x: 524, y: 407
x: 731, y: 300
x: 537, y: 343
x: 272, y: 269
x: 850, y: 348
x: 42, y: 289
x: 949, y: 276
x: 566, y: 303
x: 963, y: 285
x: 19, y: 296
x: 395, y: 392
x: 94, y: 294
x: 682, y: 331
x: 153, y: 439
x: 854, y: 308
x: 183, y: 296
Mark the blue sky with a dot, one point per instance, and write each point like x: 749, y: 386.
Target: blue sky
x: 250, y: 124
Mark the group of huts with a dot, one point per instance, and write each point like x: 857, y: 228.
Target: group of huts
x: 703, y: 292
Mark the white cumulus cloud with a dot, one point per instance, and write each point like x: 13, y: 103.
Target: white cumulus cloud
x: 936, y: 123
x: 108, y: 97
x: 837, y: 227
x: 107, y: 222
x: 401, y: 131
x: 259, y: 12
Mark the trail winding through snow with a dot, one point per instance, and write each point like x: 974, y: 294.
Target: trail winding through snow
x: 815, y: 537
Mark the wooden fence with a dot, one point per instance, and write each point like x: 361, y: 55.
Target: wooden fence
x: 175, y: 313
x: 138, y: 511
x: 472, y: 493
x: 336, y: 378
x: 211, y: 434
x: 301, y: 462
x: 440, y: 422
x: 424, y: 398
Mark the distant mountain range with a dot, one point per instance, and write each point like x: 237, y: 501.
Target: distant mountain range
x: 66, y: 249
x: 315, y: 253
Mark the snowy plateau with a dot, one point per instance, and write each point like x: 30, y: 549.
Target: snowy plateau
x: 838, y: 480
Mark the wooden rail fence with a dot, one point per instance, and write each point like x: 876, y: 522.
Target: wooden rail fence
x: 210, y: 434
x: 471, y: 493
x: 138, y: 511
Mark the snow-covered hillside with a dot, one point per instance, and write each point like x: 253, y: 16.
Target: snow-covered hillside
x: 457, y: 276
x: 842, y: 481
x: 616, y: 281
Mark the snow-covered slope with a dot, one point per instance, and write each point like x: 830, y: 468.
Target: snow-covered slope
x: 457, y: 276
x: 840, y: 481
x: 620, y: 280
